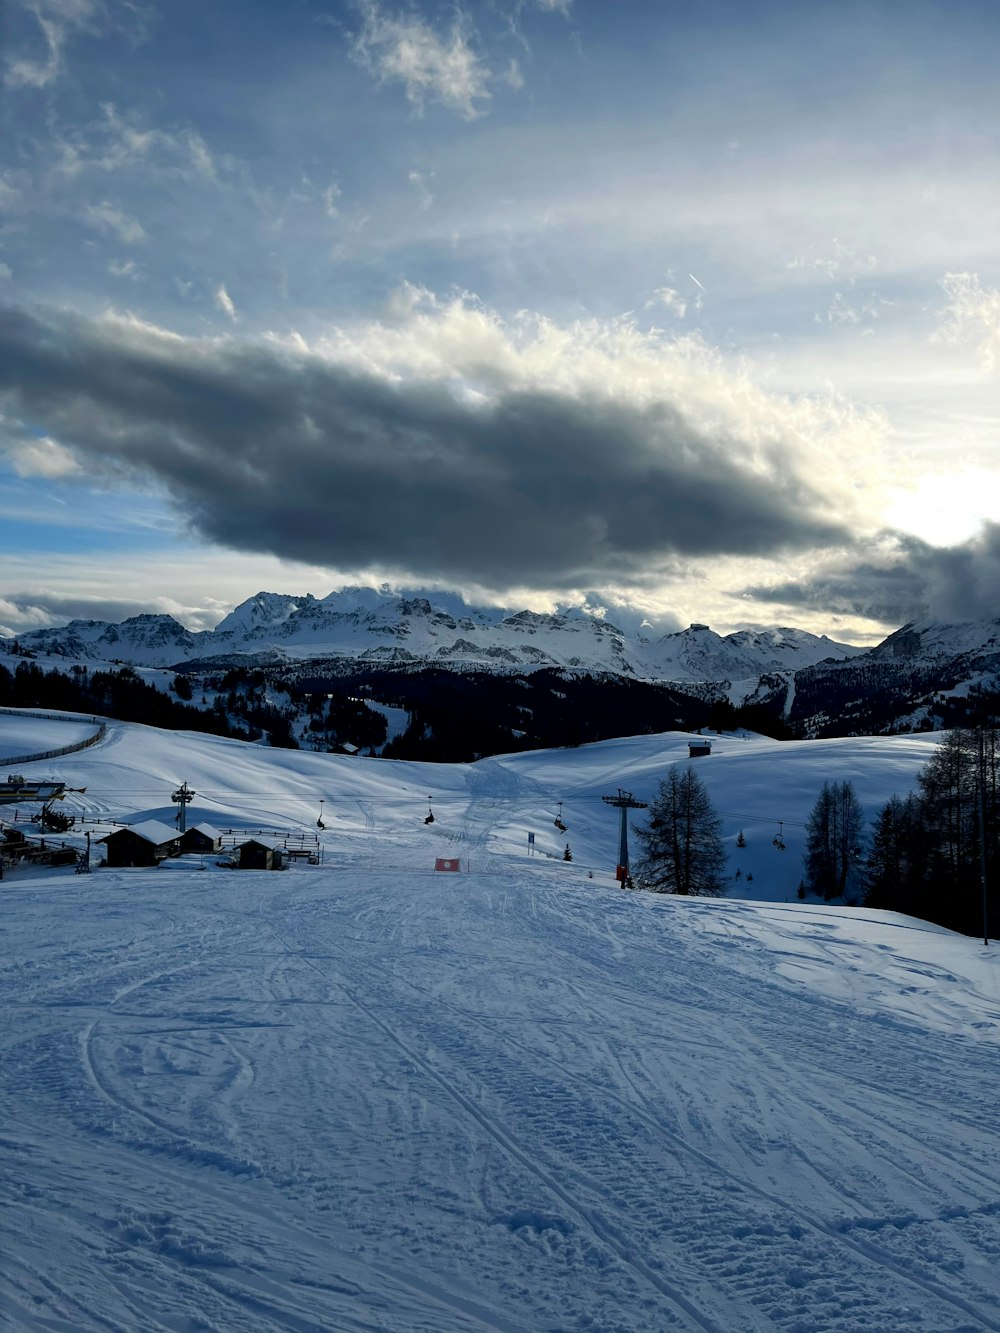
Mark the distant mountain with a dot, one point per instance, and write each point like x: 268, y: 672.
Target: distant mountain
x: 472, y: 680
x: 145, y: 640
x: 361, y: 625
x: 927, y: 675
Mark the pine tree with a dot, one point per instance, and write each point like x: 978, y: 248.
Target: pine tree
x: 834, y: 834
x: 741, y: 841
x: 682, y: 850
x: 567, y: 854
x: 893, y: 875
x: 962, y: 778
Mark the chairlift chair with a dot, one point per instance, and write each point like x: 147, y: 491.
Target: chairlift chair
x: 778, y: 839
x: 319, y: 822
x: 558, y: 821
x: 430, y: 813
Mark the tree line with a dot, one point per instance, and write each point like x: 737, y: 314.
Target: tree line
x: 120, y: 694
x: 927, y: 854
x: 931, y: 849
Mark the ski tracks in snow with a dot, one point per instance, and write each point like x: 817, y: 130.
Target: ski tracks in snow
x: 458, y: 1104
x: 618, y: 1164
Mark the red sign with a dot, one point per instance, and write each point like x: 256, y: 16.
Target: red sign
x: 443, y: 863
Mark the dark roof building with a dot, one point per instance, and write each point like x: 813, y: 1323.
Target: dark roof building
x: 201, y: 838
x: 260, y: 854
x: 145, y: 844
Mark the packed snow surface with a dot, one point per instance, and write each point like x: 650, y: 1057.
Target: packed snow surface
x: 21, y: 736
x: 364, y: 1096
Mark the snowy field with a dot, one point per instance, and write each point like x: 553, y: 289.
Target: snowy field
x: 22, y: 735
x: 365, y: 1096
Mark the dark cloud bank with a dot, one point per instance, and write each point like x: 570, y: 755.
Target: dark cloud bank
x: 908, y: 580
x: 263, y: 450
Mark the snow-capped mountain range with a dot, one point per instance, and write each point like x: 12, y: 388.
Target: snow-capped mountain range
x: 361, y: 625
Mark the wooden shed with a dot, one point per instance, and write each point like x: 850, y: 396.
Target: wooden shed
x: 699, y: 747
x: 260, y: 854
x: 201, y: 838
x: 145, y: 844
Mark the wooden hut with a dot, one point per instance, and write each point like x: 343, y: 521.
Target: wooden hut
x: 260, y: 854
x: 201, y: 838
x: 699, y: 747
x: 145, y: 844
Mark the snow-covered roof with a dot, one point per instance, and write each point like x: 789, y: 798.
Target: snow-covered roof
x: 150, y: 830
x: 273, y: 844
x: 209, y: 830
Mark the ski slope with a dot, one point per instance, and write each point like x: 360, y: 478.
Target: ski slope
x: 367, y: 1096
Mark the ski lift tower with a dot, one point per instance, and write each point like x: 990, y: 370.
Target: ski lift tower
x: 624, y: 802
x: 182, y: 797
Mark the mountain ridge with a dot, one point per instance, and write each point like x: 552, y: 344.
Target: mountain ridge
x: 372, y: 625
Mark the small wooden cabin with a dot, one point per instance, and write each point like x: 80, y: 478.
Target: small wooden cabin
x: 145, y: 844
x: 701, y: 746
x: 201, y: 838
x: 260, y: 854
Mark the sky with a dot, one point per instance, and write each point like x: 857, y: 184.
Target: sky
x: 674, y: 312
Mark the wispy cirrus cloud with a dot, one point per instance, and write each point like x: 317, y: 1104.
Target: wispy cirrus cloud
x: 114, y: 142
x: 56, y: 20
x: 224, y: 302
x: 972, y: 315
x: 127, y: 268
x: 113, y: 221
x: 432, y: 68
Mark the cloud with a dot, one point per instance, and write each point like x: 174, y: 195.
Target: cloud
x: 36, y: 610
x: 265, y: 448
x: 9, y: 193
x: 843, y: 311
x: 418, y: 180
x: 331, y: 197
x: 835, y: 261
x: 114, y: 143
x: 225, y: 302
x: 897, y: 578
x: 113, y: 221
x: 56, y: 19
x: 972, y: 315
x: 42, y: 457
x: 126, y: 269
x: 431, y: 68
x: 676, y: 303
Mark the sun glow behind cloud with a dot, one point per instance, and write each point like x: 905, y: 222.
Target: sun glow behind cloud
x: 946, y: 509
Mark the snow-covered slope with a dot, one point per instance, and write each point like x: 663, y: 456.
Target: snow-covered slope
x: 936, y: 641
x: 367, y: 1096
x: 147, y: 640
x: 374, y: 626
x: 926, y: 674
x: 699, y: 654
